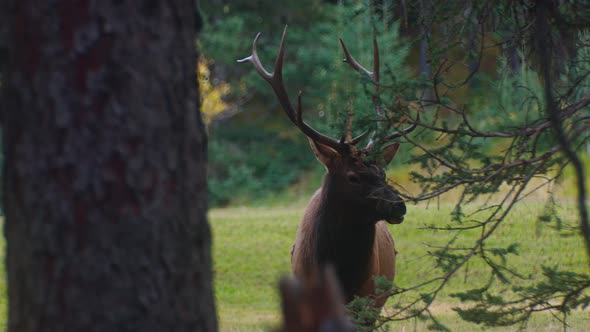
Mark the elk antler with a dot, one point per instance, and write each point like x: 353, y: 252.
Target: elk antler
x: 275, y: 79
x: 374, y: 76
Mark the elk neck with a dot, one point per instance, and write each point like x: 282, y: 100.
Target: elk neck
x: 345, y: 237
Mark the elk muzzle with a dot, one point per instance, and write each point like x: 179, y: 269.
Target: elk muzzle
x: 398, y: 213
x: 390, y: 207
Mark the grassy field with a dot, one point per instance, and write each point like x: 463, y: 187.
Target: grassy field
x: 252, y: 245
x: 251, y: 252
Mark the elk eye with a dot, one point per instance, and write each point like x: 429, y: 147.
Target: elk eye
x: 353, y: 178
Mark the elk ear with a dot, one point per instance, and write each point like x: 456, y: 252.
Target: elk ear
x: 388, y: 153
x: 325, y: 154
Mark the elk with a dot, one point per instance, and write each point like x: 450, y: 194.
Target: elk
x: 314, y: 306
x: 344, y: 223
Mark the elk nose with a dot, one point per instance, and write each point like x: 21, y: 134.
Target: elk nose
x: 398, y: 212
x: 402, y: 208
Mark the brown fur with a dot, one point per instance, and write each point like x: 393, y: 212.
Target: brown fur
x: 304, y: 266
x: 314, y: 306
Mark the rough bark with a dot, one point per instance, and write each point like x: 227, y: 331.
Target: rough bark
x: 105, y: 174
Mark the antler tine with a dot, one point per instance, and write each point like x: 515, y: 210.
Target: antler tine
x: 312, y: 133
x: 374, y: 75
x: 357, y: 139
x: 353, y: 63
x: 403, y: 132
x: 349, y: 122
x: 275, y: 79
x: 375, y: 58
x: 299, y: 111
x: 255, y: 60
x: 396, y: 134
x: 348, y: 138
x: 278, y: 69
x: 375, y: 98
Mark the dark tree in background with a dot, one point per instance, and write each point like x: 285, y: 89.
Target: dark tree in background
x: 105, y: 168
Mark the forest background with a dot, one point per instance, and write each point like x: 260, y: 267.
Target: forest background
x: 502, y: 94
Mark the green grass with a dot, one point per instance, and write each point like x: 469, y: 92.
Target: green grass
x: 252, y: 245
x: 251, y: 251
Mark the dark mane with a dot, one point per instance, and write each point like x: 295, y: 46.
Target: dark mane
x: 343, y: 240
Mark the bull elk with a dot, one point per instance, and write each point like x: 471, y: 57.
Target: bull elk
x: 344, y: 223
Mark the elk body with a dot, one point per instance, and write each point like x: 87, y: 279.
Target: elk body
x: 344, y: 224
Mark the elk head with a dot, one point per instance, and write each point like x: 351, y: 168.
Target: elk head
x: 360, y: 181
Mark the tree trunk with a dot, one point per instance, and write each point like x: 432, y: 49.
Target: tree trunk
x: 105, y: 168
x: 424, y: 66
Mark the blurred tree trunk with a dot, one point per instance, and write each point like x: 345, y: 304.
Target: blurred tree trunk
x: 472, y: 47
x: 104, y: 178
x: 424, y: 66
x: 425, y: 35
x: 514, y: 60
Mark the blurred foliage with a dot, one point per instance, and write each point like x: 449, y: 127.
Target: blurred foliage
x: 257, y: 151
x: 212, y: 93
x: 313, y: 64
x: 246, y: 162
